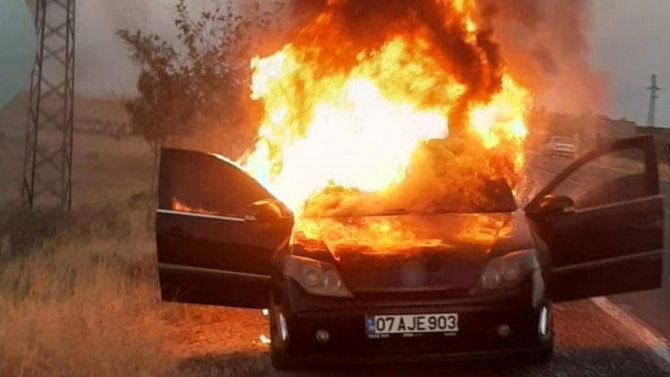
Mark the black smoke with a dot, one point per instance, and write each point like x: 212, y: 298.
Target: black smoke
x: 354, y: 26
x: 543, y: 44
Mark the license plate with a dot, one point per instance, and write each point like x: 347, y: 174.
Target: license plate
x: 379, y: 326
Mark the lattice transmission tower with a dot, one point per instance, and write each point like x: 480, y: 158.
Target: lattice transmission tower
x: 47, y: 173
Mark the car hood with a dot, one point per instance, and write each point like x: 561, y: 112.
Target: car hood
x: 412, y: 252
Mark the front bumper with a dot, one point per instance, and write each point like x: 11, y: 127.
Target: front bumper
x: 478, y: 335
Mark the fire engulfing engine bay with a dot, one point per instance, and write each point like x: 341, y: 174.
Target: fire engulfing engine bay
x: 395, y: 110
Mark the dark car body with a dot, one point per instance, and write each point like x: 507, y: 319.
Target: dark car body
x: 234, y: 248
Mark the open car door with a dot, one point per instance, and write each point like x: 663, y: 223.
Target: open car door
x: 217, y: 232
x: 602, y: 221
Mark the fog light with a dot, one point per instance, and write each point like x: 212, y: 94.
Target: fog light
x: 543, y: 325
x: 322, y: 336
x: 504, y: 331
x: 283, y: 329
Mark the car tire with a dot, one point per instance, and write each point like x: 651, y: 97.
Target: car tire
x: 281, y: 361
x: 544, y: 355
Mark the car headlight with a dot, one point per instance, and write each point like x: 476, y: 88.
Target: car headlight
x: 316, y: 277
x: 509, y: 270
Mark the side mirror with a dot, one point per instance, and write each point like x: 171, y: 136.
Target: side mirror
x: 265, y: 211
x: 551, y: 204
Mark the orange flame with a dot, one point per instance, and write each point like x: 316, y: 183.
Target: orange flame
x: 381, y: 235
x: 339, y: 114
x: 389, y: 235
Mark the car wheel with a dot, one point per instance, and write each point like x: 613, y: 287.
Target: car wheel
x: 281, y: 361
x: 544, y: 355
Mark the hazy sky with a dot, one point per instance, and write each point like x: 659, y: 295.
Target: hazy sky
x: 17, y: 35
x: 630, y: 40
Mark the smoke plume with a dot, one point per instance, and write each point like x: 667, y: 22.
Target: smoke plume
x: 344, y: 28
x: 544, y: 43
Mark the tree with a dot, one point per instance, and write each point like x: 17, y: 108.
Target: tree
x: 163, y: 106
x: 206, y: 72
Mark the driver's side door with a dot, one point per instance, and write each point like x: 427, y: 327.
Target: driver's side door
x: 217, y: 232
x: 606, y: 234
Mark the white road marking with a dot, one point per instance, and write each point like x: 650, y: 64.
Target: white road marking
x: 657, y: 343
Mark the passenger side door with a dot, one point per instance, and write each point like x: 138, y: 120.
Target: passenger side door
x: 602, y: 221
x: 217, y: 232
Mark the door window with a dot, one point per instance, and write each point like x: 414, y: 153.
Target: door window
x: 612, y: 178
x: 603, y: 219
x: 206, y: 184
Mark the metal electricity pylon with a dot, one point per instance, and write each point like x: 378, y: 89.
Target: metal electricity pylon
x: 651, y: 116
x: 47, y: 170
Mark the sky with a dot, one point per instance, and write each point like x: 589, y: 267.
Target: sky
x: 16, y: 56
x: 630, y: 41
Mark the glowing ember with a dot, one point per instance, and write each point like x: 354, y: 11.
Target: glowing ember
x: 353, y: 100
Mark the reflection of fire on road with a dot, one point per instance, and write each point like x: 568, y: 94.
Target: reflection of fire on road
x: 353, y: 100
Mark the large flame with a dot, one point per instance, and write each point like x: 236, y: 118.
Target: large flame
x: 388, y: 234
x: 346, y: 112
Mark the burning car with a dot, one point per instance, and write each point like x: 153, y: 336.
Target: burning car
x: 467, y: 278
x: 374, y: 215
